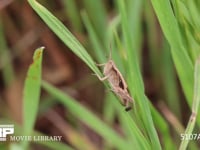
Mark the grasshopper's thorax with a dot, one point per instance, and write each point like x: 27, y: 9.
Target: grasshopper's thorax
x: 108, y: 67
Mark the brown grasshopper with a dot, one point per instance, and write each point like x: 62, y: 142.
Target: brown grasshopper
x: 117, y: 83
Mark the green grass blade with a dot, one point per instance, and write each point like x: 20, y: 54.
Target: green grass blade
x: 87, y: 117
x: 97, y: 45
x: 131, y: 130
x: 135, y: 8
x: 64, y: 34
x: 164, y: 129
x: 135, y: 79
x: 180, y: 57
x: 194, y: 14
x: 73, y: 13
x: 97, y: 14
x: 196, y: 101
x: 169, y: 81
x: 109, y: 109
x: 5, y: 58
x: 188, y: 29
x: 31, y: 93
x: 136, y: 137
x: 152, y: 39
x: 195, y: 106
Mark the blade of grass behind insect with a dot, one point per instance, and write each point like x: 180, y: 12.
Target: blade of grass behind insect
x: 163, y: 127
x: 32, y: 93
x: 113, y: 26
x: 109, y: 115
x: 99, y: 50
x: 169, y: 81
x: 195, y: 105
x: 7, y: 70
x: 134, y: 14
x: 134, y: 135
x: 109, y: 109
x: 87, y: 117
x: 73, y: 13
x: 180, y: 56
x: 64, y: 34
x: 97, y: 14
x: 152, y: 39
x: 135, y: 80
x: 118, y: 54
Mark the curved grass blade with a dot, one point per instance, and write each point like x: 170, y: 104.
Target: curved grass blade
x: 87, y: 117
x: 64, y: 34
x: 31, y: 93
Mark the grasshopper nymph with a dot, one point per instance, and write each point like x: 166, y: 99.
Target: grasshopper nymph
x: 117, y: 83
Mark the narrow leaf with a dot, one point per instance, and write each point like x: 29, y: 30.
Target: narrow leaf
x: 86, y: 116
x: 64, y: 34
x: 32, y: 92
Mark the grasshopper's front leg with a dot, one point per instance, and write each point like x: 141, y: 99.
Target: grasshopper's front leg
x: 102, y: 78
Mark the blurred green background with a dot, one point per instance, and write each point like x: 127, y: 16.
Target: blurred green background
x: 155, y: 45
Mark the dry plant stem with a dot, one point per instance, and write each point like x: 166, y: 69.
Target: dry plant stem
x: 195, y: 105
x: 171, y: 118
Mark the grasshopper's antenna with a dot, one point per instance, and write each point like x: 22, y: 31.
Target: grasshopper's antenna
x: 110, y: 55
